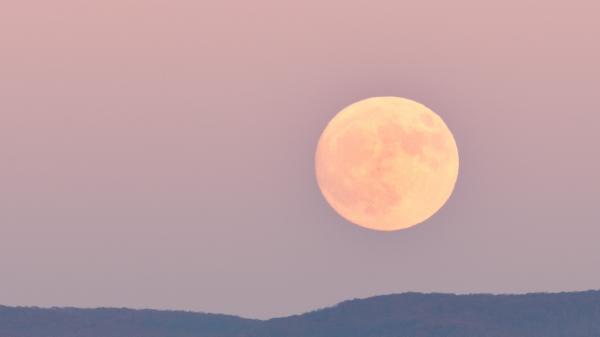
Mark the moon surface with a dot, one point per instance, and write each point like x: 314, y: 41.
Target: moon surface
x: 386, y: 163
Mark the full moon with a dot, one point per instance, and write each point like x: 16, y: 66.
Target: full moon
x: 386, y: 163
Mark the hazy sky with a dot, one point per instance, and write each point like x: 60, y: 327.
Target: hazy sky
x: 160, y: 153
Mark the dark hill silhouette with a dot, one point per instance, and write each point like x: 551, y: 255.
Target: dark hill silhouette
x: 405, y: 315
x: 71, y: 322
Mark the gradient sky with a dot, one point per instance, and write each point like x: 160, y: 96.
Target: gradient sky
x: 160, y: 153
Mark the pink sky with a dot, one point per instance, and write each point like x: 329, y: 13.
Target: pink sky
x: 160, y: 153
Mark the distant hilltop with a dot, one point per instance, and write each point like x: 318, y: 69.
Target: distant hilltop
x: 575, y: 314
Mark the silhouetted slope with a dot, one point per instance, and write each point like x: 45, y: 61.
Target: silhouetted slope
x: 405, y: 315
x: 69, y: 322
x: 439, y: 315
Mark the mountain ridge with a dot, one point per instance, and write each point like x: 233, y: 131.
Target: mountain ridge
x: 568, y: 314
